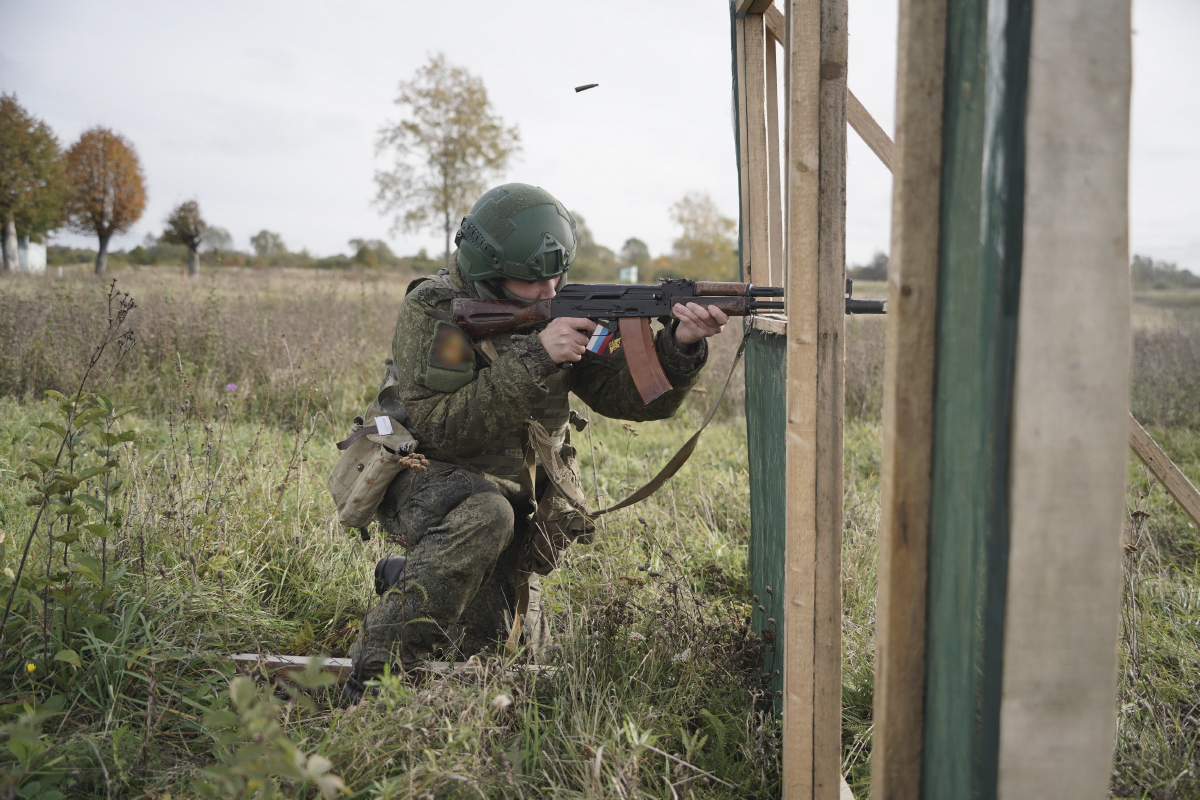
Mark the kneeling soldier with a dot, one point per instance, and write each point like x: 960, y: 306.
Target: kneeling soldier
x: 475, y: 536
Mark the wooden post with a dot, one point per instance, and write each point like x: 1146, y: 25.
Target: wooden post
x: 908, y: 399
x: 803, y: 41
x: 816, y: 186
x: 1070, y: 408
x: 776, y: 271
x: 831, y: 403
x: 758, y: 264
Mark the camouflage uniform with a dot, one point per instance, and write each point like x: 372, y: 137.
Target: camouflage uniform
x: 463, y: 523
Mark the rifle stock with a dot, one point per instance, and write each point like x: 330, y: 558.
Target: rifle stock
x: 482, y: 319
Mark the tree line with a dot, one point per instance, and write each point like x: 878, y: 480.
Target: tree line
x: 447, y: 148
x: 95, y: 187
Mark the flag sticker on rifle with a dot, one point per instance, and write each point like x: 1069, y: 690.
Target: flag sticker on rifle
x: 600, y: 341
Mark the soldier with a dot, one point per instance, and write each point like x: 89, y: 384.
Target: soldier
x: 465, y: 523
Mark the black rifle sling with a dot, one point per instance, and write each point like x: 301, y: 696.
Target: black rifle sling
x: 540, y: 440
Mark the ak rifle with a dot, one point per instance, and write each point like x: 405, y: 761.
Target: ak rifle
x: 632, y: 306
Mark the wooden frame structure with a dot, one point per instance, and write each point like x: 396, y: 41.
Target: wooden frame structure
x: 1005, y: 411
x: 800, y: 455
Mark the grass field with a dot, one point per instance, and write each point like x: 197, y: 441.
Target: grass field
x: 212, y: 533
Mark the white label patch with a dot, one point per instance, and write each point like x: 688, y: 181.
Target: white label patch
x: 384, y: 425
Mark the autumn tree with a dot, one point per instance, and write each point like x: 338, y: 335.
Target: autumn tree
x: 185, y: 226
x: 32, y: 178
x: 446, y: 149
x: 108, y: 190
x: 706, y: 248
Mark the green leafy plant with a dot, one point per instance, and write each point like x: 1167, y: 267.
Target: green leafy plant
x: 73, y: 485
x: 254, y: 751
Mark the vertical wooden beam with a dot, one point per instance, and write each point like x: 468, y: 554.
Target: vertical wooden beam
x: 739, y: 37
x: 816, y: 207
x: 908, y: 398
x: 831, y: 403
x: 803, y: 43
x: 758, y: 161
x: 1070, y: 406
x: 776, y: 271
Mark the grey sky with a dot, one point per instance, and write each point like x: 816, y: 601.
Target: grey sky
x: 266, y: 112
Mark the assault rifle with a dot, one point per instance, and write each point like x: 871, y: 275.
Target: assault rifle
x: 631, y: 305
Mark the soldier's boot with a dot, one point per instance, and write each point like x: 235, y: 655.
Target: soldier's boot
x: 444, y: 570
x: 388, y: 573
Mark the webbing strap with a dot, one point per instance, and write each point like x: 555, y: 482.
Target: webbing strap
x: 552, y: 462
x: 535, y: 439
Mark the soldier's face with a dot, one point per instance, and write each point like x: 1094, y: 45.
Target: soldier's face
x: 538, y: 290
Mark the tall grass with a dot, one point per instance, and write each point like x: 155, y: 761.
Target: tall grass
x: 219, y: 538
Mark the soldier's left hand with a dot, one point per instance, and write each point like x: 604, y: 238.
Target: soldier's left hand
x: 697, y: 322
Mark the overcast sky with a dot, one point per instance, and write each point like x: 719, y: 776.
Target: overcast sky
x: 267, y: 112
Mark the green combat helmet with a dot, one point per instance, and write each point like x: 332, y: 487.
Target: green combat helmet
x: 516, y: 231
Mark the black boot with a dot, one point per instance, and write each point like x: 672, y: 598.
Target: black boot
x: 352, y: 692
x: 388, y: 574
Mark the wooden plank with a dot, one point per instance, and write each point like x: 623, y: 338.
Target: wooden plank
x: 775, y: 270
x: 803, y: 254
x: 776, y: 24
x: 289, y: 666
x: 1172, y: 479
x: 908, y: 400
x: 753, y: 6
x: 975, y: 354
x: 868, y: 129
x: 758, y: 162
x: 743, y: 153
x: 1070, y: 408
x: 769, y: 324
x: 831, y: 357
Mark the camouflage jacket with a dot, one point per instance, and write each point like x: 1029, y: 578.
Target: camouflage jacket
x: 469, y: 412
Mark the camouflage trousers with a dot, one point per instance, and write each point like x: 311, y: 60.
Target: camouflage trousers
x: 457, y: 597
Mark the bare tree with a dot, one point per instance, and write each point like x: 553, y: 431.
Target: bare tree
x: 108, y: 191
x: 32, y: 179
x: 448, y: 147
x: 185, y: 226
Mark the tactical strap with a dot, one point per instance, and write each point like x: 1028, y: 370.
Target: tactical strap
x: 553, y: 466
x: 358, y: 434
x: 535, y: 440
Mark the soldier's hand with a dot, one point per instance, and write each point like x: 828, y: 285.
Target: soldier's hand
x: 566, y: 338
x: 697, y: 322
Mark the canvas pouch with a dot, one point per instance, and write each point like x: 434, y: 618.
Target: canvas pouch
x: 370, y: 460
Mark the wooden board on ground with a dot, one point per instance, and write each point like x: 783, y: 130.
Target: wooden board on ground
x: 288, y: 666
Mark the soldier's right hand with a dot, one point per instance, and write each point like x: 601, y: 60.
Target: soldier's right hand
x: 566, y: 338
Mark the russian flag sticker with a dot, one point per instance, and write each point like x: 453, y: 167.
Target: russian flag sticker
x: 600, y: 340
